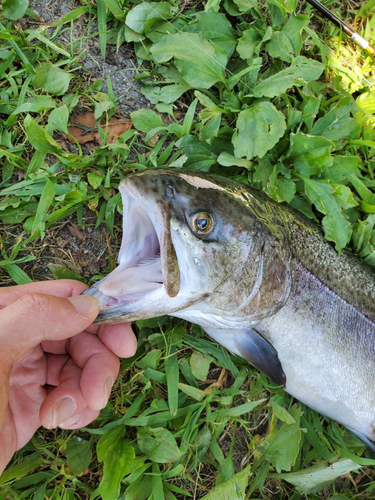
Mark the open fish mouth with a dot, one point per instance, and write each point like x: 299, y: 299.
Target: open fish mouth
x: 148, y: 269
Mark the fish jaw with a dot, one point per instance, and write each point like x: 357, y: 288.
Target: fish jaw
x: 146, y: 283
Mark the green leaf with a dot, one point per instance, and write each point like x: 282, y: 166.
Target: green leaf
x: 314, y: 478
x: 52, y: 79
x: 62, y: 272
x: 215, y: 28
x: 39, y: 138
x: 336, y: 227
x: 237, y: 411
x: 200, y: 365
x: 117, y: 464
x: 17, y: 274
x: 342, y: 168
x: 251, y: 41
x: 283, y: 443
x: 137, y: 18
x: 200, y: 62
x: 79, y: 454
x: 45, y: 202
x: 279, y: 188
x: 309, y: 154
x: 159, y: 445
x: 280, y: 46
x: 94, y: 180
x: 15, y: 9
x: 145, y: 120
x: 227, y: 160
x: 107, y: 440
x: 300, y: 72
x: 258, y: 129
x: 366, y: 102
x: 172, y: 373
x: 233, y: 489
x: 167, y: 93
x: 58, y: 120
x: 29, y: 463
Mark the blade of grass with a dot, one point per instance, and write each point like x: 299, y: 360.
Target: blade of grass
x: 102, y: 26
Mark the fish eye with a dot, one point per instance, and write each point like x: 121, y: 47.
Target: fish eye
x: 203, y: 222
x: 169, y: 191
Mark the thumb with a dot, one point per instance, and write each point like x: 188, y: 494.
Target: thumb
x: 36, y: 317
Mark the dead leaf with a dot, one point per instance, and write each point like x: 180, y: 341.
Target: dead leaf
x: 84, y: 128
x: 76, y: 231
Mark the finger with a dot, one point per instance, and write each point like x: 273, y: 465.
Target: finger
x: 4, y: 395
x: 81, y: 419
x: 64, y: 401
x: 55, y: 365
x: 59, y: 288
x: 56, y: 346
x: 36, y: 317
x: 100, y: 368
x: 120, y: 339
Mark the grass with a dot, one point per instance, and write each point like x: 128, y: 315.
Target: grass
x: 194, y: 417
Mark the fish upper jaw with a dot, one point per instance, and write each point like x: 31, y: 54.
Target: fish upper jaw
x: 146, y: 283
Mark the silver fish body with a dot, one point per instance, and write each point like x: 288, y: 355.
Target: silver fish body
x: 258, y: 277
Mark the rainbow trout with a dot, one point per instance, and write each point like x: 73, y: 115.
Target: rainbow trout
x: 258, y: 277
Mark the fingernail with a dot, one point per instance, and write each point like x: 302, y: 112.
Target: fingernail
x: 62, y: 411
x: 70, y: 422
x: 107, y: 389
x: 85, y: 304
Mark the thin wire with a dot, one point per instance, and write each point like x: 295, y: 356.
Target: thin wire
x: 232, y: 74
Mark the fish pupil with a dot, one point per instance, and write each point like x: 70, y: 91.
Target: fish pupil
x: 169, y: 191
x: 202, y: 223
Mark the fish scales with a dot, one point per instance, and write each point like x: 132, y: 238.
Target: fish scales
x: 258, y: 277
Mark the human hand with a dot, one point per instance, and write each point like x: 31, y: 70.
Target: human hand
x: 55, y: 369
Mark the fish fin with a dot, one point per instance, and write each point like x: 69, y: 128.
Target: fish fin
x: 363, y: 438
x: 251, y: 346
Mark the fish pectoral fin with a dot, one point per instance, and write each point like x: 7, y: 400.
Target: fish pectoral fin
x: 251, y: 346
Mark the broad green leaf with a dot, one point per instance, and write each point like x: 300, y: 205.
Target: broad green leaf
x: 58, y: 120
x: 62, y: 272
x: 280, y: 46
x: 228, y: 160
x: 312, y: 479
x: 292, y: 30
x: 117, y: 464
x: 79, y: 454
x: 107, y: 440
x: 309, y: 154
x: 173, y: 88
x: 342, y: 168
x: 246, y: 5
x: 300, y: 72
x: 200, y: 365
x: 158, y: 445
x: 233, y: 489
x: 279, y: 188
x: 282, y: 444
x: 52, y: 79
x: 15, y: 9
x: 258, y: 129
x: 39, y: 138
x: 215, y: 28
x: 146, y: 120
x: 94, y: 180
x: 336, y: 227
x: 137, y: 18
x: 366, y: 102
x: 250, y: 42
x: 200, y: 62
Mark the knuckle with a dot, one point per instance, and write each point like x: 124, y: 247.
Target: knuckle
x: 36, y: 302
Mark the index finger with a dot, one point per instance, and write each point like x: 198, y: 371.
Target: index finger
x: 58, y: 288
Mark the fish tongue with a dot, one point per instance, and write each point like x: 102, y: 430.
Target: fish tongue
x: 169, y: 263
x: 142, y: 279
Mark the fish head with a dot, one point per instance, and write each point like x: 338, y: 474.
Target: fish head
x: 193, y: 248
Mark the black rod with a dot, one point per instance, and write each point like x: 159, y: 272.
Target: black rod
x: 359, y: 40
